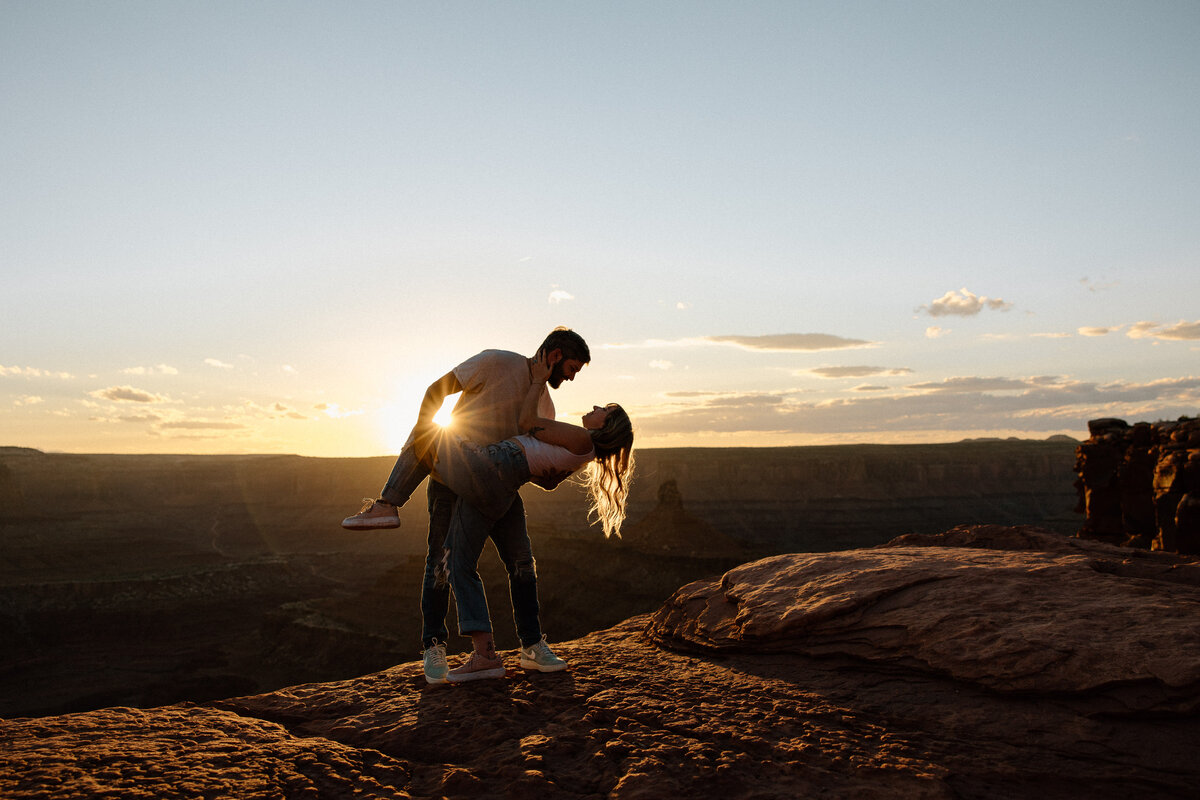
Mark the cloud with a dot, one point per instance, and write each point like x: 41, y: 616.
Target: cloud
x: 858, y: 372
x: 1092, y: 286
x: 214, y: 362
x: 935, y: 332
x: 790, y: 342
x: 962, y: 304
x: 140, y: 418
x: 201, y: 425
x: 682, y: 306
x: 779, y: 342
x: 161, y: 369
x: 961, y: 403
x: 660, y: 364
x: 127, y: 394
x: 971, y: 384
x: 866, y: 387
x: 28, y: 400
x: 33, y: 372
x: 1098, y: 331
x: 334, y: 411
x: 1180, y: 331
x: 289, y: 369
x: 558, y: 295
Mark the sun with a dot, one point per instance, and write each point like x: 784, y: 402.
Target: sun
x: 444, y: 417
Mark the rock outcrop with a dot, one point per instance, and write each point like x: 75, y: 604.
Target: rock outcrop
x: 983, y: 662
x: 1139, y: 484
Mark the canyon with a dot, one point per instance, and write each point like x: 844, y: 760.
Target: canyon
x: 154, y: 579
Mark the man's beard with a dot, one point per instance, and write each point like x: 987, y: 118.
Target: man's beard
x: 556, y: 376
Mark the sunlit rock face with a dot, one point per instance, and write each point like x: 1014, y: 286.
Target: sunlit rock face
x: 1139, y: 484
x: 987, y: 661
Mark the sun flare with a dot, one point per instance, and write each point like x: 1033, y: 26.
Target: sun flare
x: 444, y: 416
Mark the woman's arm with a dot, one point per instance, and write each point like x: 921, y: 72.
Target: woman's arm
x: 573, y: 437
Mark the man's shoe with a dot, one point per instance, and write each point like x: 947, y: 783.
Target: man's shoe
x: 375, y: 515
x: 477, y: 667
x: 435, y: 664
x: 541, y: 658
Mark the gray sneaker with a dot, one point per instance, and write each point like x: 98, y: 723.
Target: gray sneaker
x: 375, y: 515
x: 541, y: 658
x: 435, y: 664
x: 477, y: 667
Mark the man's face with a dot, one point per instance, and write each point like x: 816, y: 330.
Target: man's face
x: 564, y: 370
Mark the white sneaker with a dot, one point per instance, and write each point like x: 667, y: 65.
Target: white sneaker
x: 375, y: 515
x: 436, y: 667
x: 541, y: 658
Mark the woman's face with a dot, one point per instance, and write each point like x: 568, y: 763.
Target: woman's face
x: 594, y: 419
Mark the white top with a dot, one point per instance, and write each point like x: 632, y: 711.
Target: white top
x: 550, y: 459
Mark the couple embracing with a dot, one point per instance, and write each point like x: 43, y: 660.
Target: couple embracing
x: 504, y: 434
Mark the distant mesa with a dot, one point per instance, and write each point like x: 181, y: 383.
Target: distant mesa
x: 669, y: 529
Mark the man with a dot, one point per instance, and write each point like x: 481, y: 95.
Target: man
x: 494, y: 384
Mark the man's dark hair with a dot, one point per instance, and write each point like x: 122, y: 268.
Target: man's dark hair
x: 569, y: 342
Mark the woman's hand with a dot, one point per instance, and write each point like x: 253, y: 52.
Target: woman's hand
x: 540, y: 368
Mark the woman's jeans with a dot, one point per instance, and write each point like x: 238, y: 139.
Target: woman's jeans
x: 490, y: 507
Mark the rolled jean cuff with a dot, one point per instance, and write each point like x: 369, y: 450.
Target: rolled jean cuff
x: 468, y: 626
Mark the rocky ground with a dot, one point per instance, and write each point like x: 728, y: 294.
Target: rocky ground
x: 984, y: 662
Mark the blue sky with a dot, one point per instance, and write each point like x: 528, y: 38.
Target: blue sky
x: 266, y: 227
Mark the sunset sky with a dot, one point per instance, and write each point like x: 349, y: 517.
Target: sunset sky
x: 233, y: 227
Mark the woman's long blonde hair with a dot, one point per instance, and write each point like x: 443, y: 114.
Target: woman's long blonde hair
x: 608, y: 477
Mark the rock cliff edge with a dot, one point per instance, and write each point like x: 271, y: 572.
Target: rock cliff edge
x: 983, y: 662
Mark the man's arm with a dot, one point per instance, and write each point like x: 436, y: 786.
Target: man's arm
x: 425, y: 431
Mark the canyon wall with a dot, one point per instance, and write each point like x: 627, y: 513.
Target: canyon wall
x: 142, y: 580
x: 1139, y: 485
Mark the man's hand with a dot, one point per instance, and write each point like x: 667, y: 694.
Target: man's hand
x: 550, y: 482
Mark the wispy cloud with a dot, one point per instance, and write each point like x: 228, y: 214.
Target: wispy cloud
x: 778, y: 343
x: 201, y: 425
x: 972, y: 385
x: 791, y: 342
x: 127, y: 394
x: 959, y: 403
x: 660, y: 364
x: 219, y: 364
x: 935, y: 332
x: 559, y: 296
x: 962, y: 303
x: 1092, y: 286
x: 161, y: 369
x: 1180, y: 331
x: 334, y: 411
x: 139, y: 418
x: 32, y: 372
x: 858, y: 372
x: 1098, y: 331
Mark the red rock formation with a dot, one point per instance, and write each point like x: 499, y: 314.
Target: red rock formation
x: 983, y: 662
x: 1133, y: 481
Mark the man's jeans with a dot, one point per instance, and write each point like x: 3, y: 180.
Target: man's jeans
x: 505, y: 469
x: 508, y: 532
